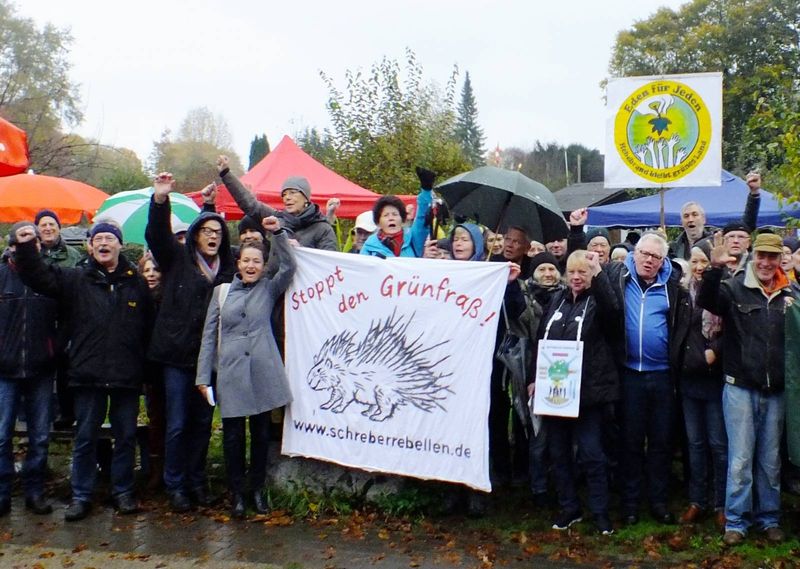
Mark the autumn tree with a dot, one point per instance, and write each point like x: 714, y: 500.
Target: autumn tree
x: 191, y: 155
x: 545, y: 163
x: 754, y: 43
x: 389, y: 120
x: 467, y: 131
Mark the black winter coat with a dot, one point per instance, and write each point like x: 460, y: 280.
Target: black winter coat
x: 27, y: 328
x: 185, y: 289
x: 110, y: 317
x: 600, y: 379
x: 754, y: 336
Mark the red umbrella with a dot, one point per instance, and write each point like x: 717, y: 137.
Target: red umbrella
x: 13, y: 149
x: 21, y: 196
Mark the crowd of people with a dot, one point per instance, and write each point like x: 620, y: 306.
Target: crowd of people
x: 679, y: 338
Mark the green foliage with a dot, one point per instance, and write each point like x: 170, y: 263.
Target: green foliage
x: 467, y: 131
x: 316, y: 145
x: 754, y: 43
x: 259, y: 148
x: 191, y: 156
x: 301, y: 502
x: 410, y: 502
x: 388, y: 121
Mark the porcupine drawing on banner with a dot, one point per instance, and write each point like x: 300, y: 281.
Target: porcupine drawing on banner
x: 350, y: 369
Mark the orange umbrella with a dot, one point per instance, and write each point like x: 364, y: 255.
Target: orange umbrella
x: 21, y: 196
x: 13, y: 149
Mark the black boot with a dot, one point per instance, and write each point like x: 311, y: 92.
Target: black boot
x: 259, y: 502
x: 237, y: 506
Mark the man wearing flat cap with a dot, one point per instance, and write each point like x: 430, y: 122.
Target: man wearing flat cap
x: 110, y: 315
x: 752, y: 304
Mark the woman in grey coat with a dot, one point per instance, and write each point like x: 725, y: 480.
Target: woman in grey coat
x: 238, y: 343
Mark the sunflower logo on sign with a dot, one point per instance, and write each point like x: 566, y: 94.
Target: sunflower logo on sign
x: 662, y: 130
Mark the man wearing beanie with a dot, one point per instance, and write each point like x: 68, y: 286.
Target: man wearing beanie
x: 736, y: 238
x: 300, y: 217
x: 752, y: 305
x: 109, y: 312
x: 54, y: 250
x: 190, y: 271
x: 27, y: 369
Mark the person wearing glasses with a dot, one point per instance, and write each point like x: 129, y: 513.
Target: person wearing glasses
x: 649, y: 286
x: 190, y: 272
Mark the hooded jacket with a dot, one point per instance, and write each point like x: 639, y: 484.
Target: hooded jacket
x: 754, y: 336
x: 110, y: 317
x: 310, y: 227
x: 27, y: 328
x: 185, y: 289
x: 477, y: 240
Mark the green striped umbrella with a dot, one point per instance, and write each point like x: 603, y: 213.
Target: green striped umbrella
x: 129, y: 210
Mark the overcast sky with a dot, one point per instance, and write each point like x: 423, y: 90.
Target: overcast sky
x: 535, y: 65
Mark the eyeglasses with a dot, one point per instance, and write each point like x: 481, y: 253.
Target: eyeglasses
x: 649, y: 255
x: 208, y: 232
x: 102, y: 239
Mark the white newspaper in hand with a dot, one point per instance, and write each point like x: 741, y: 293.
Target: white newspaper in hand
x: 210, y: 396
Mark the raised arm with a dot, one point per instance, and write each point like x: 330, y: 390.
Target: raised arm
x: 284, y: 253
x: 246, y: 201
x: 577, y: 237
x: 750, y: 217
x: 419, y: 229
x: 33, y: 271
x: 712, y: 295
x: 158, y: 233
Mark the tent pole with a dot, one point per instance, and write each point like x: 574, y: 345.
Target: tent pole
x: 662, y: 215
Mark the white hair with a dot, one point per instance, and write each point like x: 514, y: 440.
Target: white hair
x: 656, y: 238
x: 687, y: 205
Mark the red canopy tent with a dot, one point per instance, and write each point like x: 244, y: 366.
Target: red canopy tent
x: 288, y: 159
x: 13, y: 149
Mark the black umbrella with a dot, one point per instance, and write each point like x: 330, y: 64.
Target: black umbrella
x: 499, y: 199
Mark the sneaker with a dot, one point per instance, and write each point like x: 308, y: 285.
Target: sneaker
x: 774, y: 534
x: 603, y: 525
x: 566, y: 519
x: 733, y: 537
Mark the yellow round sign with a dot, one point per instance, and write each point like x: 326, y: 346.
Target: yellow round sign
x: 662, y: 131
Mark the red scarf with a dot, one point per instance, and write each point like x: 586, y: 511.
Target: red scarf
x: 393, y: 242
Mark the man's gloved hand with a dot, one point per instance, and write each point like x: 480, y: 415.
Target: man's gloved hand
x: 426, y: 178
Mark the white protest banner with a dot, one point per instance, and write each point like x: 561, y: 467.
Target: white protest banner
x: 389, y: 362
x: 664, y: 131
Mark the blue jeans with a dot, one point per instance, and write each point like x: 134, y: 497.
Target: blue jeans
x: 36, y: 393
x: 705, y: 431
x: 188, y: 430
x: 647, y: 411
x: 587, y: 431
x: 754, y: 422
x: 91, y: 407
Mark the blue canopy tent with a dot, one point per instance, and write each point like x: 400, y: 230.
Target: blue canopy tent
x: 722, y: 204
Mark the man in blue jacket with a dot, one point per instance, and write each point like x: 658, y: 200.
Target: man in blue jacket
x: 27, y: 371
x: 649, y: 285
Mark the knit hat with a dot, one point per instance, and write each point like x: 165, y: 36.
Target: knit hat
x: 46, y: 213
x: 543, y: 259
x: 597, y: 232
x: 249, y: 224
x: 737, y: 225
x: 705, y: 246
x: 104, y: 227
x: 298, y: 183
x: 768, y: 243
x: 792, y: 243
x: 12, y: 235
